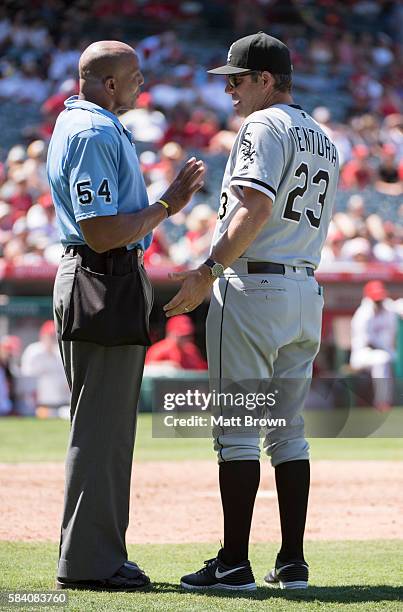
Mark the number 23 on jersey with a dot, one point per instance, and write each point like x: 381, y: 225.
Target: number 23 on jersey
x: 223, y: 207
x: 319, y: 182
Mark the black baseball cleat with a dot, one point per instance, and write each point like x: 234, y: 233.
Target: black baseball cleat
x: 217, y: 575
x: 129, y: 577
x: 289, y: 575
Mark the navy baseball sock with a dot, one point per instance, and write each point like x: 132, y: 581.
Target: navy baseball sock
x: 292, y: 482
x: 239, y: 482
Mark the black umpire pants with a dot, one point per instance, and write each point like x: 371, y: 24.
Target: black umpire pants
x: 105, y: 386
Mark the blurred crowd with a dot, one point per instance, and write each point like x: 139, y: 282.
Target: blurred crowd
x: 348, y: 73
x: 32, y: 379
x: 356, y: 237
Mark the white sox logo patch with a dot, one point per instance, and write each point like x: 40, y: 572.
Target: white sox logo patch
x: 247, y: 151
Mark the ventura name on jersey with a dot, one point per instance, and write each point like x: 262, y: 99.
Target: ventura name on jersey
x: 316, y: 143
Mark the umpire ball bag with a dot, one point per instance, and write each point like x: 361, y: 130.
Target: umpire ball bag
x: 110, y: 301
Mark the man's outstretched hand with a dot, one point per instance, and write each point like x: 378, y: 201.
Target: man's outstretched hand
x: 195, y: 287
x: 188, y: 181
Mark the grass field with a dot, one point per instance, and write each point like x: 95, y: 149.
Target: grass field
x: 353, y: 576
x: 46, y: 440
x: 349, y: 576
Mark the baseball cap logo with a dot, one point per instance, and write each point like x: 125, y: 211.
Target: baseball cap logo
x: 229, y: 54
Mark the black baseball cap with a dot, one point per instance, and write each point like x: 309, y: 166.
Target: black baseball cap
x: 256, y: 52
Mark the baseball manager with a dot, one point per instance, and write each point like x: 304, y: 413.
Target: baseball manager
x: 102, y: 301
x: 265, y: 313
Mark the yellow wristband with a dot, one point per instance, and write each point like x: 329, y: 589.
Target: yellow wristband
x: 165, y: 205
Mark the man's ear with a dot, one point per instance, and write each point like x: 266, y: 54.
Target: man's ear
x: 109, y: 84
x: 268, y: 79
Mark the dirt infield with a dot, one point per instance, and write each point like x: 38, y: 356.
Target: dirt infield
x: 176, y: 502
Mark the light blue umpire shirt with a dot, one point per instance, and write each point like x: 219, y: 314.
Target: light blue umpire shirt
x: 93, y: 169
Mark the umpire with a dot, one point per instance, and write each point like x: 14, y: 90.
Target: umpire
x: 102, y: 300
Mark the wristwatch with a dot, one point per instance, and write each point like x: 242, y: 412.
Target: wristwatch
x: 216, y: 269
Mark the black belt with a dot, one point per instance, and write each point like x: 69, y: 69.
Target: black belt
x: 83, y: 248
x: 267, y: 267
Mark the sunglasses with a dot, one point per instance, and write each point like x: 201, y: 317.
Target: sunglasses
x: 235, y: 80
